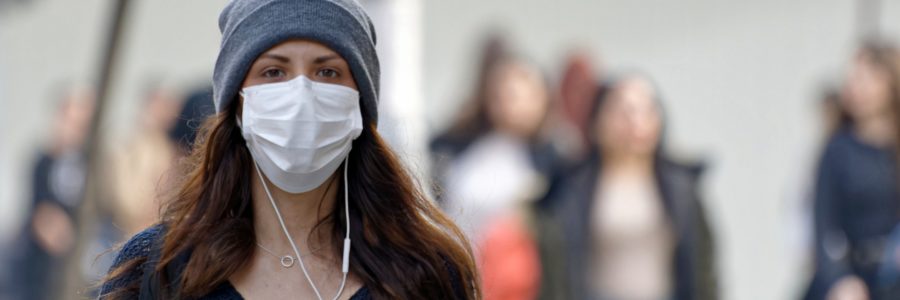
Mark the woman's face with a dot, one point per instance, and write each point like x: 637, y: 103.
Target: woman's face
x: 517, y: 99
x: 629, y: 122
x: 293, y: 58
x: 867, y: 90
x: 74, y: 118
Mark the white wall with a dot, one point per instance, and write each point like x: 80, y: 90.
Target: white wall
x: 740, y: 80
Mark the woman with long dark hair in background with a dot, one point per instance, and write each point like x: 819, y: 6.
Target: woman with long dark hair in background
x: 632, y: 225
x: 496, y: 155
x: 856, y: 196
x: 291, y: 192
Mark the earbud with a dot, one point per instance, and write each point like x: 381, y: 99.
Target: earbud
x: 346, y: 265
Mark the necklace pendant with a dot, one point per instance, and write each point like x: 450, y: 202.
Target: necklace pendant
x: 287, y: 261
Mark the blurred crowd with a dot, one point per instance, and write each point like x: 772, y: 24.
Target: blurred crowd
x: 564, y: 186
x: 134, y: 176
x: 567, y: 190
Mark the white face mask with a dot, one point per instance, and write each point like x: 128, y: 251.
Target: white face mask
x: 299, y: 131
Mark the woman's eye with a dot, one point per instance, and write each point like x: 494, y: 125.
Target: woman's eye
x: 273, y: 73
x: 328, y: 73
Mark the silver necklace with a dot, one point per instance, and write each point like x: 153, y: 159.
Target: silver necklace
x: 287, y: 261
x: 345, y: 268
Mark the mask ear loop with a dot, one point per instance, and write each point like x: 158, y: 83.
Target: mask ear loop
x: 345, y: 265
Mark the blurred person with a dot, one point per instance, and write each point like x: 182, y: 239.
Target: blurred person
x: 139, y: 168
x: 293, y: 160
x: 632, y: 224
x: 576, y: 93
x: 567, y: 121
x: 856, y: 196
x: 493, y: 163
x: 57, y: 182
x: 495, y: 155
x: 471, y: 121
x: 474, y: 120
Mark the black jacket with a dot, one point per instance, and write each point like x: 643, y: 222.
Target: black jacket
x: 145, y: 246
x: 694, y: 273
x: 856, y: 206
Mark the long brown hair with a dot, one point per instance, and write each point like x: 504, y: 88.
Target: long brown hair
x: 472, y: 121
x: 404, y: 247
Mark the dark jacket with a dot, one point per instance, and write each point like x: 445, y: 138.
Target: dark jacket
x: 856, y: 207
x: 145, y: 246
x: 694, y: 271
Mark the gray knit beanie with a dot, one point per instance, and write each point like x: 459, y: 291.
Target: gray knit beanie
x: 250, y: 27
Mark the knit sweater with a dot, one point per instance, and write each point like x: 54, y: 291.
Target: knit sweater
x: 141, y: 245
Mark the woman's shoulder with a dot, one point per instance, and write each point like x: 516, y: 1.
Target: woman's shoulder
x: 841, y: 146
x: 136, y: 251
x: 140, y: 245
x: 844, y: 141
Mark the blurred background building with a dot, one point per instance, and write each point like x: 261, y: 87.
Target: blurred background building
x: 742, y: 82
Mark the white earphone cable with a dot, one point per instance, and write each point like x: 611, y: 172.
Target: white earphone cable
x: 346, y: 253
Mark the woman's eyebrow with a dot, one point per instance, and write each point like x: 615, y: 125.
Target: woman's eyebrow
x: 277, y: 57
x: 324, y: 58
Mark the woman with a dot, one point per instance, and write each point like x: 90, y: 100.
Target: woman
x: 856, y: 195
x: 57, y: 183
x: 141, y: 166
x: 276, y: 197
x: 495, y: 156
x: 632, y: 224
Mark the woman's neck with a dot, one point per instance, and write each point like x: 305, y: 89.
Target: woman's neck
x: 879, y: 130
x: 301, y: 214
x: 627, y: 165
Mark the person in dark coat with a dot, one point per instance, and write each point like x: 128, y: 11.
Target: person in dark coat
x: 856, y: 194
x: 57, y: 185
x: 630, y: 222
